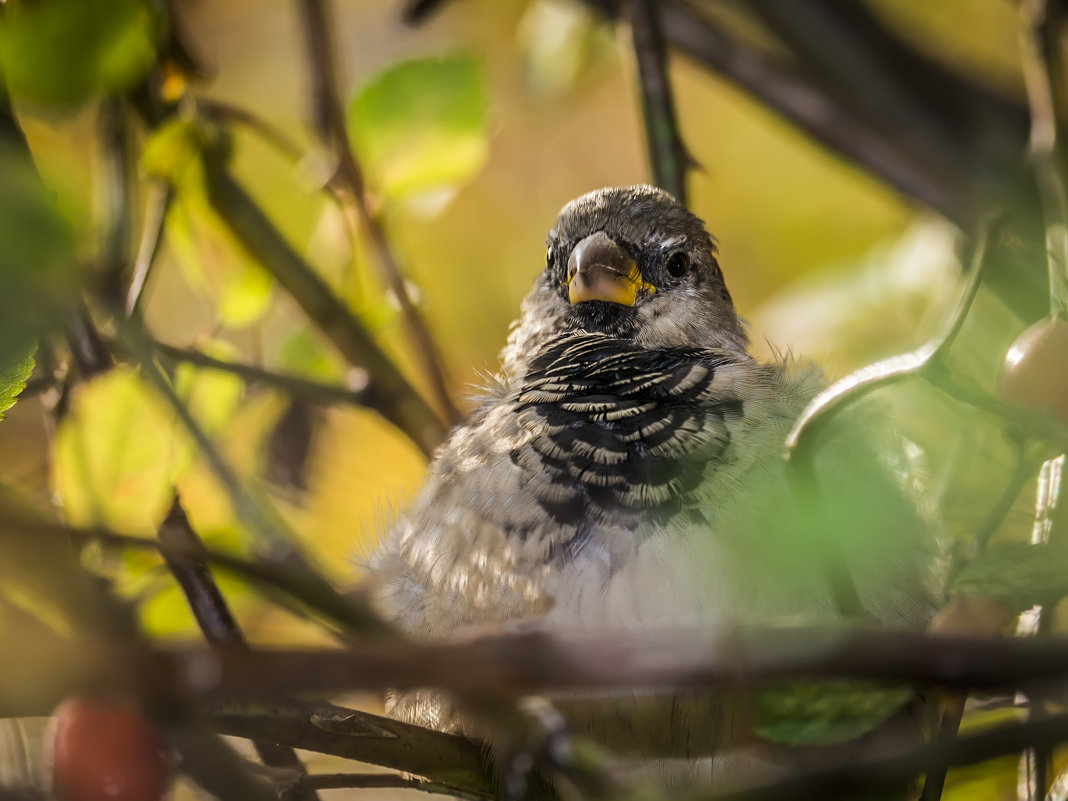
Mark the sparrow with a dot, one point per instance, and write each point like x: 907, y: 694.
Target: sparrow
x: 624, y: 471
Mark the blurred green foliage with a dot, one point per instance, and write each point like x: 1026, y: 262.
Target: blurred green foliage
x: 421, y: 125
x: 39, y: 272
x: 62, y: 53
x: 472, y: 132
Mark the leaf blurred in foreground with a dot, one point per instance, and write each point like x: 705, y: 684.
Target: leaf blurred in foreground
x: 421, y: 125
x: 60, y: 52
x: 38, y: 275
x: 117, y: 453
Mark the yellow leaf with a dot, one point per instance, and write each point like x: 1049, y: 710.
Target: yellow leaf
x: 117, y: 453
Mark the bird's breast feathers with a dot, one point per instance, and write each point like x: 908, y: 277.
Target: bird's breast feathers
x: 600, y: 450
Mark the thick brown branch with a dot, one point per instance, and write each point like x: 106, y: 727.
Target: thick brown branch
x: 517, y: 665
x: 808, y: 107
x: 444, y: 759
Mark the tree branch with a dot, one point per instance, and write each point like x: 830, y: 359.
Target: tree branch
x: 159, y: 200
x: 330, y: 124
x: 845, y: 779
x: 391, y: 393
x: 667, y: 152
x: 292, y: 385
x: 445, y: 760
x: 1043, y: 66
x: 182, y: 550
x: 515, y: 665
x: 809, y: 108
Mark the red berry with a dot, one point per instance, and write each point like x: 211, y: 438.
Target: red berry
x: 1034, y: 374
x: 104, y: 749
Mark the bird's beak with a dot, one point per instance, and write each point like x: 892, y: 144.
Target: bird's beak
x: 599, y: 269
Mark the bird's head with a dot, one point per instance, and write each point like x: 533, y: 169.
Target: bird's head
x: 633, y: 263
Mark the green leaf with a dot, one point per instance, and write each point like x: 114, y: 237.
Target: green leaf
x: 824, y: 713
x: 303, y: 353
x: 166, y: 614
x: 173, y: 150
x: 421, y: 125
x: 212, y: 396
x: 117, y: 454
x: 38, y: 276
x: 13, y: 377
x: 1018, y: 574
x: 61, y: 52
x: 245, y: 293
x: 215, y: 264
x: 559, y: 41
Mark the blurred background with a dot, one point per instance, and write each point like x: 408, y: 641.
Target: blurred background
x: 822, y: 257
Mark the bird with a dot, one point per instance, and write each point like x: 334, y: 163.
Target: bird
x: 623, y: 471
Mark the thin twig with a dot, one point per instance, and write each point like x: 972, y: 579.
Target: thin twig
x: 254, y: 510
x: 668, y: 154
x: 87, y: 348
x: 270, y: 133
x: 293, y: 591
x: 417, y: 11
x: 329, y: 121
x: 182, y: 550
x: 115, y: 195
x: 159, y: 200
x: 291, y: 385
x: 1043, y: 65
x: 1021, y: 474
x: 934, y: 781
x: 855, y: 386
x: 216, y: 767
x: 380, y: 781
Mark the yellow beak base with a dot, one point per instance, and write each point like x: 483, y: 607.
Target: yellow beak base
x: 602, y: 283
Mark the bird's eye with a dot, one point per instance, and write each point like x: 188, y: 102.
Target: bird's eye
x: 678, y: 264
x: 550, y: 254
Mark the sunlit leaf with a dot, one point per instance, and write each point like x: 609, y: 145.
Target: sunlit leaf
x: 117, y: 453
x: 172, y: 152
x: 241, y: 441
x: 345, y: 486
x: 60, y: 52
x: 245, y: 293
x: 558, y: 40
x: 167, y: 613
x: 1019, y: 574
x: 215, y: 264
x: 304, y: 353
x: 213, y: 396
x: 13, y: 375
x: 421, y: 125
